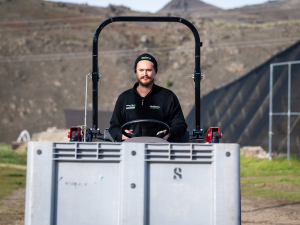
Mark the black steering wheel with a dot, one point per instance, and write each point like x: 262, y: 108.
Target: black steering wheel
x: 161, y: 135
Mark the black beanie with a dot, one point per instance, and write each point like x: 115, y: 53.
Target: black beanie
x: 146, y: 56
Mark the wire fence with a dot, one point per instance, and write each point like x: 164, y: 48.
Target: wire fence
x: 241, y: 108
x: 134, y: 51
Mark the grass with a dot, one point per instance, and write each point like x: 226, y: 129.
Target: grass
x: 7, y: 155
x: 11, y: 179
x: 276, y: 179
x: 259, y: 177
x: 251, y: 167
x: 271, y: 192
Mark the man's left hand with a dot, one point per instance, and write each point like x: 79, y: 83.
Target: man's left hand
x: 165, y: 137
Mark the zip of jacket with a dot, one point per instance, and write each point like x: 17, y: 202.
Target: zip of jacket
x: 143, y: 98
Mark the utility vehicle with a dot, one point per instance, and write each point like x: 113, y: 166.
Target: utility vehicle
x: 143, y: 180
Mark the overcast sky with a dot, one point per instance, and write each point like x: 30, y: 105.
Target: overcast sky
x: 155, y: 5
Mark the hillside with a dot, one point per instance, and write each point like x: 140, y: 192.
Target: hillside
x: 271, y: 11
x: 45, y: 53
x: 187, y: 6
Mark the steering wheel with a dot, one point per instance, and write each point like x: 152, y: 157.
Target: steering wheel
x: 161, y: 135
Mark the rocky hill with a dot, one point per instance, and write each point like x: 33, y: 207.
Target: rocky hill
x: 188, y: 6
x: 45, y: 53
x: 271, y: 11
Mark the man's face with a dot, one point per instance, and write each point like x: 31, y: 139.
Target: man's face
x: 145, y: 72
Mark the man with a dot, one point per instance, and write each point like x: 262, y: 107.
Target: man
x: 147, y: 101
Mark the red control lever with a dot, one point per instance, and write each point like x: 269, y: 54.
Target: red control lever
x: 213, y: 135
x: 74, y: 134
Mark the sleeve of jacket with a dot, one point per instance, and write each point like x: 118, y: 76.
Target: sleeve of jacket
x: 117, y: 121
x: 177, y: 122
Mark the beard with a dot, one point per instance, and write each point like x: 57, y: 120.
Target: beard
x: 146, y: 83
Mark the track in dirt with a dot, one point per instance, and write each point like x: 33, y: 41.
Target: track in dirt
x: 12, y: 208
x: 267, y: 211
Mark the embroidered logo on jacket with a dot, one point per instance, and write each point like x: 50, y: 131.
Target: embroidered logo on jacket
x: 132, y: 106
x: 154, y: 107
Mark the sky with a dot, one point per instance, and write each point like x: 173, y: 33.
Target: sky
x: 155, y: 5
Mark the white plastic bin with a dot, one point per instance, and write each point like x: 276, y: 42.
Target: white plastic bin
x: 132, y: 184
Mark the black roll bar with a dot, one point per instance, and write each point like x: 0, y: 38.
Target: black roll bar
x: 197, y: 132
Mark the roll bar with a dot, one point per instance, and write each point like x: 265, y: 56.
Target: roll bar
x: 197, y: 132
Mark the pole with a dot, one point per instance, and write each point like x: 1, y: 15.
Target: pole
x: 289, y: 114
x: 197, y: 88
x: 85, y: 108
x: 270, y: 112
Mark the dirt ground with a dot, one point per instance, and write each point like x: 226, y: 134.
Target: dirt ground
x: 267, y: 211
x: 12, y: 208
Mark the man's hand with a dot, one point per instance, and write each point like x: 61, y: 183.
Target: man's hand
x: 165, y: 137
x: 127, y: 131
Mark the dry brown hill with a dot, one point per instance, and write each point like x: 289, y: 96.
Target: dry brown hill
x: 272, y: 5
x: 45, y: 53
x: 14, y: 10
x: 271, y: 11
x: 187, y: 6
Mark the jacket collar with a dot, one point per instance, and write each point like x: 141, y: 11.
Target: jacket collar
x: 151, y: 92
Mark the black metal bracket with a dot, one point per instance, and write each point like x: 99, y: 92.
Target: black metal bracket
x: 198, y: 134
x: 95, y: 71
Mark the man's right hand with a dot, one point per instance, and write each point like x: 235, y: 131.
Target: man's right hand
x: 127, y: 131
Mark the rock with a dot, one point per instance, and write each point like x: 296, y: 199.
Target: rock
x: 5, y: 122
x: 235, y: 67
x: 207, y: 42
x: 19, y: 146
x: 21, y: 114
x: 144, y: 38
x: 60, y: 4
x: 12, y: 106
x: 57, y: 83
x: 233, y: 50
x: 176, y: 65
x: 260, y: 185
x: 52, y: 134
x: 254, y: 151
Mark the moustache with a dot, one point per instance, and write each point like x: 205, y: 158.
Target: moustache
x: 145, y: 77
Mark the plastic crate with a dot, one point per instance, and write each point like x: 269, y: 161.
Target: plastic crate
x: 132, y: 183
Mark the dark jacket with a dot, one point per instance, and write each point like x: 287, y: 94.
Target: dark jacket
x: 160, y: 104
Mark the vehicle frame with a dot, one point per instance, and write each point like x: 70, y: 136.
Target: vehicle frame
x: 197, y: 131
